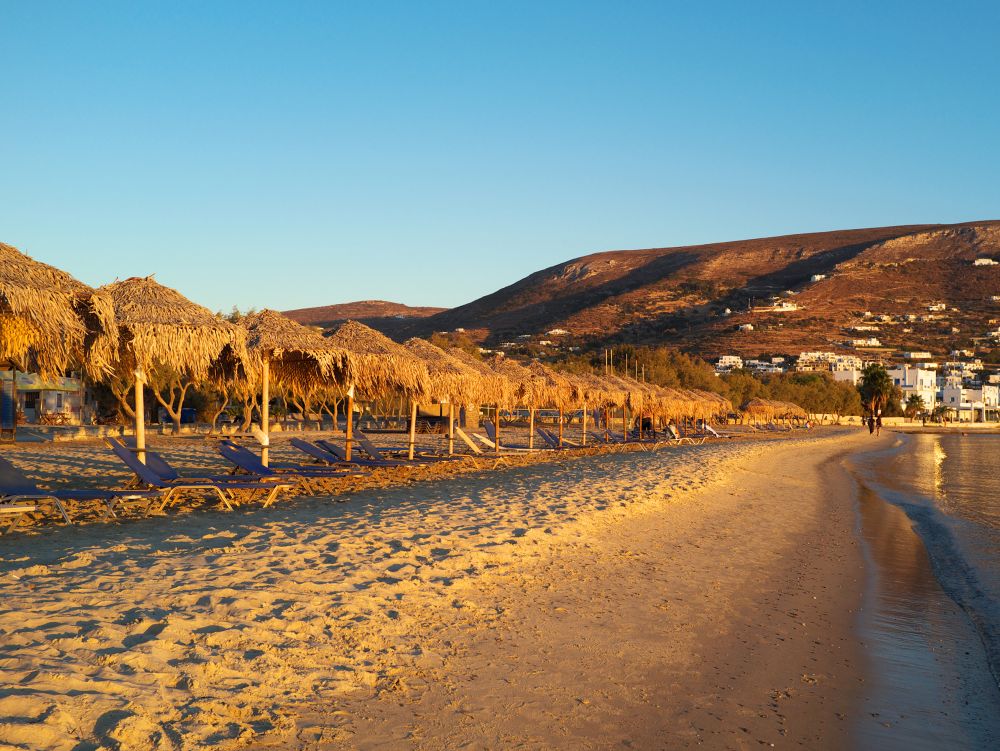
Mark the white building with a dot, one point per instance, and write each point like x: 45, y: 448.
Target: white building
x: 869, y: 342
x: 919, y: 381
x: 729, y: 362
x: 762, y: 366
x: 970, y: 403
x: 746, y: 327
x: 784, y: 306
x: 827, y: 361
x: 916, y: 355
x: 984, y: 262
x: 817, y: 277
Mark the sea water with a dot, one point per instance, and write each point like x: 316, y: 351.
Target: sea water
x: 929, y: 509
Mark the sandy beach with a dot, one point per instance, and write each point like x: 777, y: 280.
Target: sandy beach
x: 691, y: 596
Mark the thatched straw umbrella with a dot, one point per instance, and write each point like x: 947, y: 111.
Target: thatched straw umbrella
x: 299, y: 358
x: 529, y: 390
x: 588, y: 391
x: 768, y: 409
x: 713, y: 404
x: 377, y: 366
x: 595, y: 391
x: 49, y: 321
x: 634, y: 397
x: 495, y: 388
x: 160, y: 328
x: 563, y: 393
x: 450, y: 380
x: 498, y: 390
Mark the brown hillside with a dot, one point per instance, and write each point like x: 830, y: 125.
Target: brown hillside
x: 381, y: 314
x: 678, y: 295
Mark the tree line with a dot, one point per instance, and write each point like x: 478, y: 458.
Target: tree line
x: 816, y: 392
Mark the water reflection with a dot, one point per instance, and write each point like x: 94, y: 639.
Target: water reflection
x: 929, y: 685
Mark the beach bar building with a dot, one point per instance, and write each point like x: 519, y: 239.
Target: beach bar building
x: 56, y: 400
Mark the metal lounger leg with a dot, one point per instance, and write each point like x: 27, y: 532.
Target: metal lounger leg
x: 223, y: 498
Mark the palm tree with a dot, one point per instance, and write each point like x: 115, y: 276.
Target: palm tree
x: 914, y: 405
x: 876, y: 388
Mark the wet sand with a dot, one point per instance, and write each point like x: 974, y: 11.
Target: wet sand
x: 694, y: 596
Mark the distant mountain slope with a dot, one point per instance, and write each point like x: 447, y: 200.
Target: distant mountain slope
x: 679, y: 295
x: 383, y: 315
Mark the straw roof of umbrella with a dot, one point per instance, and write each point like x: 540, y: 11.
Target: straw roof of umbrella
x: 678, y: 403
x: 614, y: 390
x: 562, y: 392
x: 449, y: 379
x: 635, y: 396
x: 718, y: 404
x: 49, y: 321
x: 529, y: 389
x: 497, y: 389
x: 590, y: 390
x: 378, y: 366
x: 162, y: 328
x: 770, y: 408
x: 300, y: 358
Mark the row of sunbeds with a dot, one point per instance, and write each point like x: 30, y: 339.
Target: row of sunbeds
x: 156, y: 485
x: 603, y: 438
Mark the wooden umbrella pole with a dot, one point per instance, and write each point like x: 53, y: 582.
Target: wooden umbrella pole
x: 625, y: 423
x: 140, y: 416
x: 265, y: 411
x: 349, y: 439
x: 560, y: 427
x: 451, y: 428
x: 413, y: 427
x: 496, y: 445
x: 531, y: 427
x: 583, y: 433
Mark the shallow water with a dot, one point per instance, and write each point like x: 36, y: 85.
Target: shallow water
x: 928, y: 516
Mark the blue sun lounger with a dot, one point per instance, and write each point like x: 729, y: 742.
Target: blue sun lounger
x: 20, y: 497
x: 309, y: 478
x: 227, y: 489
x: 333, y: 449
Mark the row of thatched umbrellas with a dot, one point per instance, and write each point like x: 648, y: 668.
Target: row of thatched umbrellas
x: 49, y: 322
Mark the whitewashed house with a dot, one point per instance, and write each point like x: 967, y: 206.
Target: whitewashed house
x: 916, y: 380
x: 971, y: 403
x: 729, y: 362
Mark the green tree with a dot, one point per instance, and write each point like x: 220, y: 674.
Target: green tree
x: 914, y: 406
x: 876, y: 389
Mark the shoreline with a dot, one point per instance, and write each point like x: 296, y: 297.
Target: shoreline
x: 648, y: 598
x: 931, y: 681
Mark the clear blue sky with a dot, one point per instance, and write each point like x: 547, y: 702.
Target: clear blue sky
x: 295, y: 154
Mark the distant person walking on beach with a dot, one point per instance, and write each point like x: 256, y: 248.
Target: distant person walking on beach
x: 878, y: 426
x: 871, y: 424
